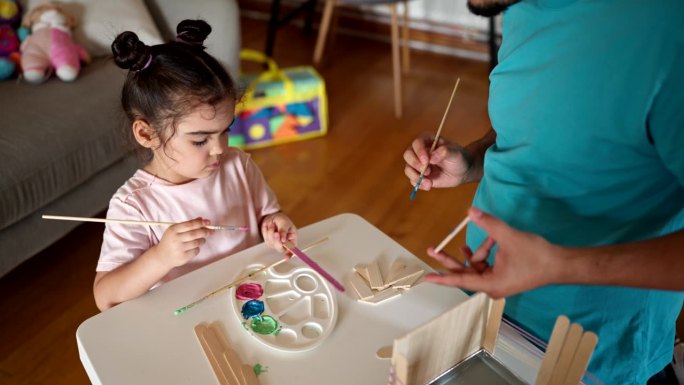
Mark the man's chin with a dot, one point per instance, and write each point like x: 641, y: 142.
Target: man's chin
x: 490, y: 8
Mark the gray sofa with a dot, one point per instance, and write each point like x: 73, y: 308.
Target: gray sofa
x: 60, y: 147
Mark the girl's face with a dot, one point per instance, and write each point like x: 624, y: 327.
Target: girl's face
x: 196, y: 148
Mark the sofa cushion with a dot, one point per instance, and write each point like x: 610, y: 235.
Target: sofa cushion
x: 57, y: 135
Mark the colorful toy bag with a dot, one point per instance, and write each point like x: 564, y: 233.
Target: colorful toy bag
x: 278, y: 106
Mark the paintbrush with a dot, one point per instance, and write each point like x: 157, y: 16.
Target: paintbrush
x: 434, y: 143
x: 452, y: 234
x: 246, y: 277
x: 133, y: 222
x: 300, y: 254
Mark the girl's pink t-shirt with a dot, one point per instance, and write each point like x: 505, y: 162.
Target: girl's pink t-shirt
x: 236, y: 194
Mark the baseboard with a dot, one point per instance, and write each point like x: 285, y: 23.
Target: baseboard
x: 425, y: 35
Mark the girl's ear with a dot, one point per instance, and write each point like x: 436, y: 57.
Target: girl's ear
x: 145, y: 135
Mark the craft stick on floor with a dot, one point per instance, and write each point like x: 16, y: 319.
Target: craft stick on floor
x: 244, y: 277
x: 132, y: 222
x: 291, y: 248
x: 434, y: 142
x: 452, y: 234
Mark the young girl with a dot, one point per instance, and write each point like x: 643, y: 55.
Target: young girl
x: 180, y: 102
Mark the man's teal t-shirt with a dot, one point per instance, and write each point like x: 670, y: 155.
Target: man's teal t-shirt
x: 588, y: 105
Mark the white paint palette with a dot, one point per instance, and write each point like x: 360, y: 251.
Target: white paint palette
x: 302, y: 303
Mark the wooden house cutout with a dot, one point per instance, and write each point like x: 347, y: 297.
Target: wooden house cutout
x: 433, y: 348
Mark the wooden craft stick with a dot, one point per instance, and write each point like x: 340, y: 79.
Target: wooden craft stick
x: 581, y: 359
x: 132, y: 222
x: 491, y: 331
x: 360, y: 286
x: 374, y: 275
x: 384, y: 353
x: 383, y: 295
x: 395, y: 271
x: 245, y: 277
x: 211, y: 355
x: 434, y: 143
x: 452, y: 234
x: 409, y: 281
x: 560, y: 331
x: 570, y: 345
x: 362, y: 269
x: 248, y: 375
x: 228, y: 355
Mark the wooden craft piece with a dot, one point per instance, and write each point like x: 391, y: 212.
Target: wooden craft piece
x: 406, y: 272
x: 401, y: 369
x: 220, y: 369
x: 567, y: 352
x: 496, y: 308
x: 560, y: 331
x: 384, y: 353
x: 395, y: 271
x: 375, y: 276
x: 581, y: 359
x: 426, y: 350
x: 383, y: 295
x: 409, y: 281
x: 360, y: 286
x: 225, y: 362
x: 362, y: 269
x: 248, y: 375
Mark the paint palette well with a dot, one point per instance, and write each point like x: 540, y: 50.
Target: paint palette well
x: 286, y: 307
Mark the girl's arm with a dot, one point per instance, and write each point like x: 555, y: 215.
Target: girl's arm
x: 180, y: 243
x: 130, y: 280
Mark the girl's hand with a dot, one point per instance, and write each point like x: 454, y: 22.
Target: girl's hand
x: 524, y: 261
x: 182, y: 241
x: 277, y: 229
x: 449, y: 164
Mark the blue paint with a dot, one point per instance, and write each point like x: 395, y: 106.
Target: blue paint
x: 415, y: 189
x: 252, y: 309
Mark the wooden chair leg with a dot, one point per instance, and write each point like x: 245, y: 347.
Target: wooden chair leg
x: 323, y: 31
x: 396, y: 65
x: 406, y: 65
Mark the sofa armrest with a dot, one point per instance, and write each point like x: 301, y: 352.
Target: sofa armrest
x: 223, y: 16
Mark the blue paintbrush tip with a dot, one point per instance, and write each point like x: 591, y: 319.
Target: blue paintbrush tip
x: 416, y: 187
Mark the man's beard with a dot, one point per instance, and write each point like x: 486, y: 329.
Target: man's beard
x: 490, y: 8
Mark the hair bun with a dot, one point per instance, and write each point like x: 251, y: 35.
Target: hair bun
x: 129, y: 52
x: 193, y: 31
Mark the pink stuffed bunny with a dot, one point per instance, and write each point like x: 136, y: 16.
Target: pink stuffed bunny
x: 50, y: 45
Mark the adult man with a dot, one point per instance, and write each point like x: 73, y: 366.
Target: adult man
x: 584, y: 170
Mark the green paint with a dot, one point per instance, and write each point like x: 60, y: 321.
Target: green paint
x: 258, y: 369
x: 264, y: 325
x: 244, y: 325
x: 280, y: 328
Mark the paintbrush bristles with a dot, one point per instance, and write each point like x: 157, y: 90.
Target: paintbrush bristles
x: 436, y: 140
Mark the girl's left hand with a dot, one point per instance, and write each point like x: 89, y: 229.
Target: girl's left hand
x: 277, y: 229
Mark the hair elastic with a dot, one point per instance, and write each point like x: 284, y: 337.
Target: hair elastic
x: 179, y: 39
x: 147, y: 64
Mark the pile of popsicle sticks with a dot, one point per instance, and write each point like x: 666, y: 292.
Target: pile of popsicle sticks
x: 225, y: 362
x: 369, y: 285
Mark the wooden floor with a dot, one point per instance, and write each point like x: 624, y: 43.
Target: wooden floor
x: 356, y: 168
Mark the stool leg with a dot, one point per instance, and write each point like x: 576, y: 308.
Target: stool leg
x: 272, y: 27
x: 323, y: 31
x: 406, y: 65
x: 396, y: 65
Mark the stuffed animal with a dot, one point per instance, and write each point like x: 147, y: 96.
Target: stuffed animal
x: 10, y: 16
x: 50, y: 46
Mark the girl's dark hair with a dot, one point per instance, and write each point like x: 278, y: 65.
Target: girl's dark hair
x: 168, y: 81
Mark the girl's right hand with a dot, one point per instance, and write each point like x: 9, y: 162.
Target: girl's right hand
x: 448, y: 164
x: 182, y: 241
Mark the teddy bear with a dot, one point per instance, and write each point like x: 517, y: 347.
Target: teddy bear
x: 50, y: 45
x: 10, y: 16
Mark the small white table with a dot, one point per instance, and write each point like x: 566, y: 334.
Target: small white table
x: 143, y: 342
